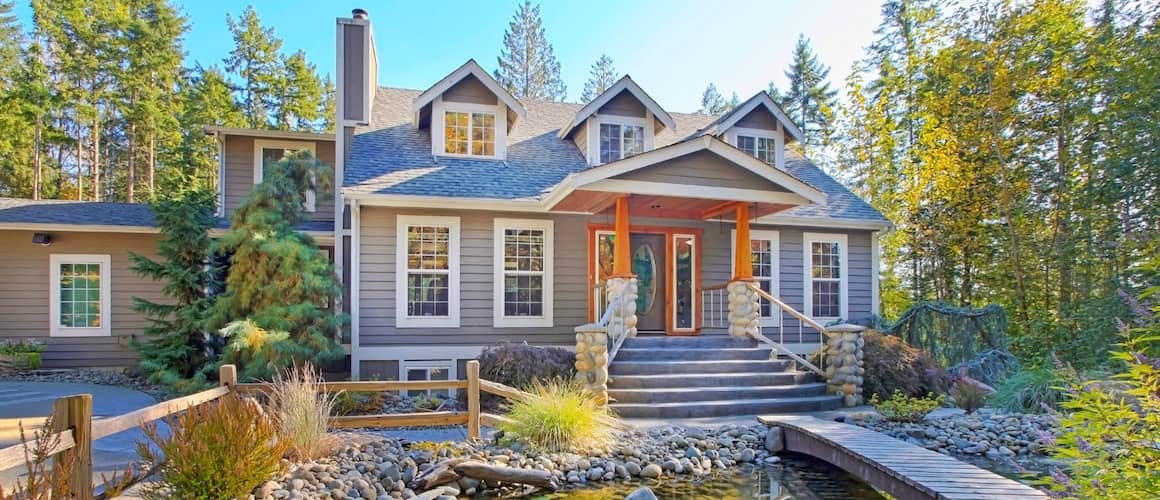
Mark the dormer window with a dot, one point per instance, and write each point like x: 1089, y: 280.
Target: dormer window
x: 469, y: 133
x: 619, y: 141
x: 763, y: 147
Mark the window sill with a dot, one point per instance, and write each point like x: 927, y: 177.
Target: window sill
x: 66, y: 332
x: 426, y: 322
x: 523, y: 322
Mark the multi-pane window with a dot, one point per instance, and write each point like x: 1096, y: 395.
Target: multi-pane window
x: 270, y: 152
x: 424, y: 371
x: 825, y: 277
x: 428, y: 268
x: 523, y: 272
x: 469, y: 133
x: 763, y: 253
x: 80, y: 295
x: 619, y: 141
x: 764, y: 148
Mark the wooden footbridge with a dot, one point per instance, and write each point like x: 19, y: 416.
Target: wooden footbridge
x: 900, y: 469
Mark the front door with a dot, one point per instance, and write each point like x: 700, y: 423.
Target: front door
x: 648, y: 264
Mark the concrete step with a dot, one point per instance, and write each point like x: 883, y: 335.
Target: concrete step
x: 697, y: 342
x: 695, y: 368
x: 692, y: 354
x: 717, y: 380
x: 720, y: 408
x: 691, y: 394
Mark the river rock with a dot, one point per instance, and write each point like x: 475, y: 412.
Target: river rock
x: 651, y: 471
x: 775, y: 440
x: 642, y: 493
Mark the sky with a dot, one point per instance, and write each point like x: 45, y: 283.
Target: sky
x: 672, y: 48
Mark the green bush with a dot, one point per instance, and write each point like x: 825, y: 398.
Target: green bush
x: 221, y: 449
x: 892, y: 366
x: 560, y: 417
x: 1034, y: 390
x: 521, y: 365
x: 23, y: 354
x: 357, y: 403
x: 903, y: 408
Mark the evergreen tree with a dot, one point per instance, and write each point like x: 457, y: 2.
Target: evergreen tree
x: 528, y: 68
x: 300, y: 95
x: 712, y: 103
x: 774, y: 92
x: 600, y: 77
x: 255, y: 61
x: 279, y: 283
x: 206, y: 99
x: 810, y: 100
x: 174, y: 352
x: 734, y: 101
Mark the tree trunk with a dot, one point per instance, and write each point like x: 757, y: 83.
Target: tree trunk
x: 37, y: 174
x: 80, y: 160
x: 152, y: 161
x: 95, y: 166
x: 131, y: 167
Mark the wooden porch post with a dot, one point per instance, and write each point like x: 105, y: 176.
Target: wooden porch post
x: 621, y: 249
x: 742, y: 258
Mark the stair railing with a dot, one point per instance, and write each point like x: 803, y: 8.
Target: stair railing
x: 715, y: 314
x: 618, y: 331
x: 802, y: 319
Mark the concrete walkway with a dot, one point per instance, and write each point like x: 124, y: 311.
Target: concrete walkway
x: 28, y: 403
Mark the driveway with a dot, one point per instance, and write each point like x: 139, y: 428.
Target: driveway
x: 30, y: 402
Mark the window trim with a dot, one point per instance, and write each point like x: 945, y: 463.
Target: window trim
x: 259, y: 166
x: 843, y: 267
x: 55, y: 328
x: 499, y: 319
x: 427, y: 364
x: 402, y: 320
x: 438, y: 121
x: 778, y: 142
x: 774, y: 238
x: 695, y: 307
x: 593, y: 132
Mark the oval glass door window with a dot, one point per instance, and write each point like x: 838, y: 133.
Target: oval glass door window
x: 644, y: 266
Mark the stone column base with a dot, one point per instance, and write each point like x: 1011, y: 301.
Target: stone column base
x: 592, y: 360
x: 844, y: 365
x: 744, y: 309
x: 623, y: 319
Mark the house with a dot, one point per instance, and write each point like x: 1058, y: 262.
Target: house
x: 467, y: 217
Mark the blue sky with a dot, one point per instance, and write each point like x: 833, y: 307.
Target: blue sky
x: 672, y: 48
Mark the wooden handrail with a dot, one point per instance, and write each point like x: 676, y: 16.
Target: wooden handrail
x: 109, y: 426
x: 506, y: 391
x: 710, y: 288
x: 401, y: 419
x: 785, y: 307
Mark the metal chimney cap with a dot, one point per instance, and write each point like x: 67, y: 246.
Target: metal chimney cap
x: 359, y: 13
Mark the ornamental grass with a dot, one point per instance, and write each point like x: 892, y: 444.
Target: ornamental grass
x: 301, y: 413
x: 560, y: 417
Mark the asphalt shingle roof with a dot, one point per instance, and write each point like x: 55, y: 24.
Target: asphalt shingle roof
x: 90, y: 213
x: 390, y: 156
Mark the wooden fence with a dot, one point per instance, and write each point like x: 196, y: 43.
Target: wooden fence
x: 75, y: 430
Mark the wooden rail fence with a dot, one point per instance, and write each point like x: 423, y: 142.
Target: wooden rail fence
x: 74, y: 428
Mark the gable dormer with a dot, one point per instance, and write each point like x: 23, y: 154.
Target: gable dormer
x: 619, y: 123
x: 469, y: 113
x: 758, y: 127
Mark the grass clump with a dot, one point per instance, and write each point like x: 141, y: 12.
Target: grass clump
x: 903, y: 408
x: 301, y: 412
x: 561, y: 416
x: 1034, y: 390
x: 968, y: 396
x: 220, y: 449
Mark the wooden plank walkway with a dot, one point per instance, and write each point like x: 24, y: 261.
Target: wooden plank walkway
x: 901, y: 469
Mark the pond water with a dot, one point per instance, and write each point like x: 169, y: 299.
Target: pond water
x: 797, y: 477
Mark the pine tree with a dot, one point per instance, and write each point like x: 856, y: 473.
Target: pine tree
x: 712, y: 103
x: 528, y: 68
x: 600, y: 77
x: 174, y: 352
x: 255, y: 61
x: 279, y: 282
x: 206, y: 98
x: 300, y: 94
x: 810, y: 100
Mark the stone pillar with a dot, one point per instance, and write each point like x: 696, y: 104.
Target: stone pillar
x: 592, y: 360
x: 744, y: 309
x: 844, y: 366
x: 623, y: 318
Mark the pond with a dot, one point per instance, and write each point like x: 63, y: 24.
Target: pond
x: 796, y: 477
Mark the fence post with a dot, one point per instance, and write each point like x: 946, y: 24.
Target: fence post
x: 473, y: 399
x: 228, y: 376
x: 76, y: 413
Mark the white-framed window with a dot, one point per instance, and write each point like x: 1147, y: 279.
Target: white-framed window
x: 427, y: 272
x: 267, y: 151
x: 765, y: 251
x: 523, y: 272
x: 468, y: 130
x: 428, y: 370
x: 612, y: 138
x: 765, y: 145
x: 825, y: 273
x: 79, y: 295
x: 684, y: 272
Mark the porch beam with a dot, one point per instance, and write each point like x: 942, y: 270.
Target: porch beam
x: 718, y: 209
x: 621, y: 249
x: 743, y: 263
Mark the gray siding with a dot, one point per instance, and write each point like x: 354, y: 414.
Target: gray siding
x: 24, y: 298
x: 571, y: 293
x: 758, y: 118
x: 355, y: 80
x: 580, y: 137
x: 624, y: 104
x: 239, y: 178
x: 470, y: 90
x: 702, y: 168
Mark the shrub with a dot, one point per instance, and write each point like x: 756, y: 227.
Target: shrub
x: 521, y: 365
x: 903, y: 408
x: 22, y: 354
x: 892, y: 366
x: 221, y: 449
x: 968, y: 396
x: 357, y: 403
x: 44, y: 476
x: 1034, y: 390
x: 301, y: 412
x: 561, y: 416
